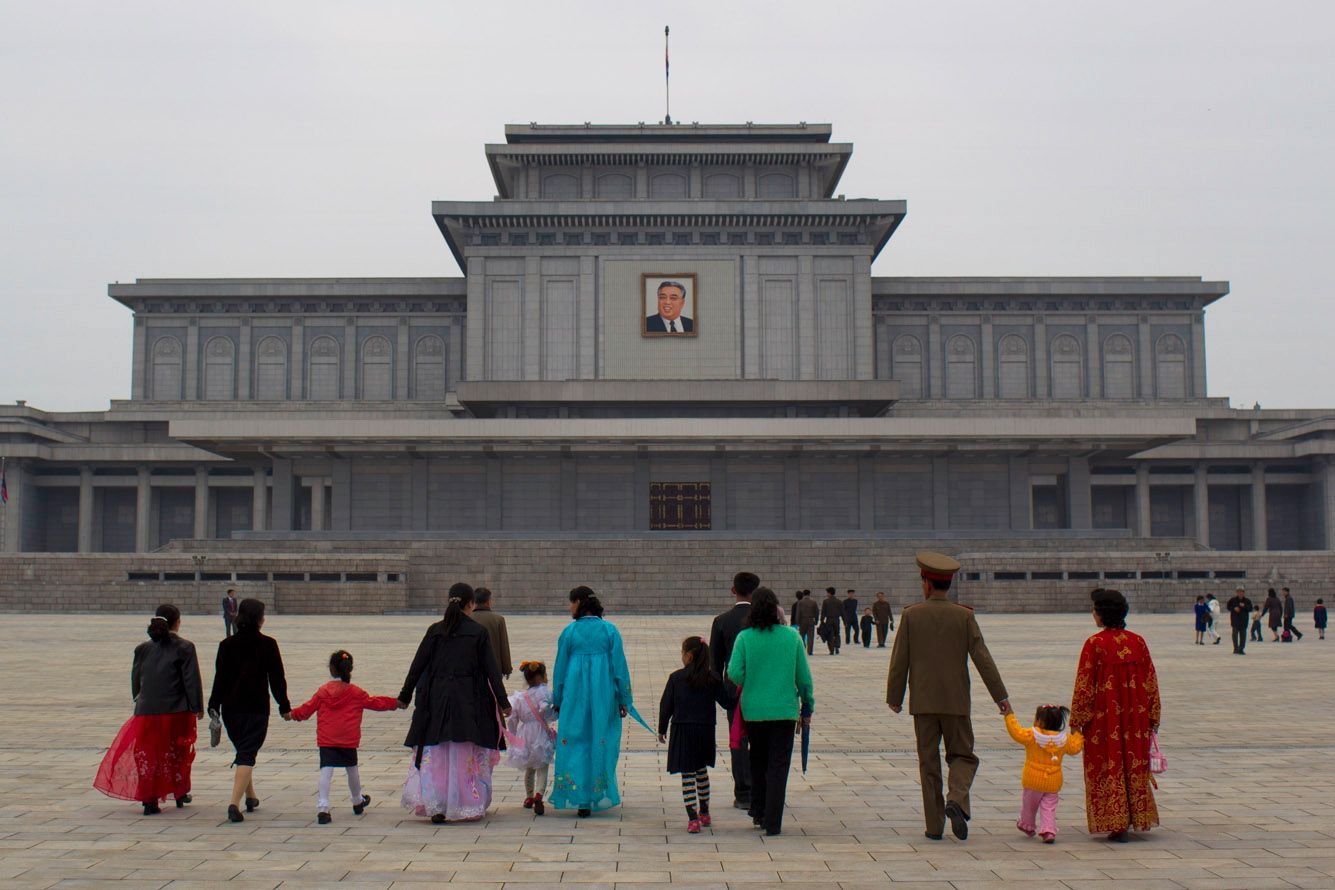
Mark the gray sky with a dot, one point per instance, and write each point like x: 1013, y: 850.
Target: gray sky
x: 166, y: 139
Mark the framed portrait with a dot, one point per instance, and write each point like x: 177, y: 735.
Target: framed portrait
x: 669, y: 304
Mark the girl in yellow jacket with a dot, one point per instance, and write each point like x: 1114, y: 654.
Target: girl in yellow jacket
x: 1044, y: 745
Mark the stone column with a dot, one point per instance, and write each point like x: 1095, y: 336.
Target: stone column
x: 259, y: 501
x: 1260, y: 538
x: 940, y: 493
x: 1144, y: 518
x: 641, y: 482
x: 1021, y: 493
x: 316, y: 485
x: 864, y: 332
x: 530, y: 320
x: 588, y: 309
x: 1040, y: 359
x: 201, y: 503
x: 1197, y: 382
x: 1078, y: 494
x: 402, y: 359
x: 987, y: 360
x: 792, y: 493
x: 806, y: 319
x: 16, y: 482
x: 1201, y: 497
x: 143, y: 506
x: 750, y: 305
x: 641, y: 181
x: 867, y: 492
x: 282, y: 495
x: 569, y: 505
x: 138, y: 362
x: 697, y: 181
x: 85, y: 509
x: 935, y: 371
x: 1093, y: 352
x: 419, y: 492
x: 244, y: 389
x: 340, y: 496
x: 297, y: 361
x: 192, y: 360
x: 718, y: 491
x: 351, y: 359
x: 476, y: 332
x: 1145, y: 359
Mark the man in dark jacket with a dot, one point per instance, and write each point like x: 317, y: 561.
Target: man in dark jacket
x: 1239, y: 613
x: 494, y: 622
x: 722, y: 635
x: 851, y: 629
x: 1291, y: 612
x: 884, y: 618
x: 229, y: 605
x: 806, y: 614
x: 831, y: 613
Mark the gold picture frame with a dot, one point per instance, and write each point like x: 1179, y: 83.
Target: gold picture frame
x: 654, y: 312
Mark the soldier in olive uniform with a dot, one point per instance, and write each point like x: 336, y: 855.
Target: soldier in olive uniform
x: 936, y: 639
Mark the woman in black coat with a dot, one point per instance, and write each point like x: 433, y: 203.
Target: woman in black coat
x: 456, y: 729
x: 152, y: 754
x: 248, y: 669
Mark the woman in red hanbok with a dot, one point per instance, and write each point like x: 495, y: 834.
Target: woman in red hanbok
x: 1115, y: 706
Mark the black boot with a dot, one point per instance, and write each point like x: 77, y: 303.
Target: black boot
x: 151, y: 808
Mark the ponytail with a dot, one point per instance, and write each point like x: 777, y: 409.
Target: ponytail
x: 340, y: 665
x: 698, y: 672
x: 160, y: 627
x: 461, y: 596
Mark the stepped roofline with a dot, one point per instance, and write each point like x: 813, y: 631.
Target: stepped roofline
x: 657, y: 132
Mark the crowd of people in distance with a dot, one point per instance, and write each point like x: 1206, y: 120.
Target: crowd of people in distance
x: 1244, y: 614
x: 566, y: 725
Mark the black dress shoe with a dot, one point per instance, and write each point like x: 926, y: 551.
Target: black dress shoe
x: 252, y: 804
x: 234, y: 814
x: 183, y: 800
x: 959, y: 823
x: 740, y: 804
x: 359, y: 808
x: 583, y: 813
x: 323, y: 818
x: 151, y: 808
x: 930, y: 836
x: 1120, y: 837
x: 437, y: 818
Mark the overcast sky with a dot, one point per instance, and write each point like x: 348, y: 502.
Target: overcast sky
x: 169, y: 139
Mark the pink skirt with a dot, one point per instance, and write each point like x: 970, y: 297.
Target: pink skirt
x: 454, y: 779
x: 150, y: 758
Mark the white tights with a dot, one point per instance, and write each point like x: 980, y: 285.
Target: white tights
x: 327, y: 777
x: 535, y: 780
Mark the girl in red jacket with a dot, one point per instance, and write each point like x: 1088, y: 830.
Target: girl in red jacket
x: 338, y: 729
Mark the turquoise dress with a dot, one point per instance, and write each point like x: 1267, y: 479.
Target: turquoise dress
x: 590, y: 684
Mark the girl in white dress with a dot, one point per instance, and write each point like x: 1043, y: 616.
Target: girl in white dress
x: 531, y: 719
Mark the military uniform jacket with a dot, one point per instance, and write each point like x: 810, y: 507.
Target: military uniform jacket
x: 935, y: 640
x: 806, y: 612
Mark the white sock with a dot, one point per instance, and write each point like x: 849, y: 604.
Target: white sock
x: 355, y: 785
x: 326, y: 777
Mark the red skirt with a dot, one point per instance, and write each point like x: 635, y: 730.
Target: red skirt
x: 150, y: 758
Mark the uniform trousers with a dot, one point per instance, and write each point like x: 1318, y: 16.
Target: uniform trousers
x: 807, y: 630
x: 961, y: 764
x: 882, y: 628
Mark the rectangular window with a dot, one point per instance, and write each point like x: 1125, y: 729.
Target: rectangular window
x: 679, y: 505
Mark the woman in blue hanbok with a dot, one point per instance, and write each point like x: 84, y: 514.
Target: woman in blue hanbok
x: 591, y: 694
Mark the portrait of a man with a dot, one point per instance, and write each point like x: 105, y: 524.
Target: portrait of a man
x: 670, y: 301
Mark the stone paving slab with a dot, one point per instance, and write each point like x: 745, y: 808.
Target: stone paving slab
x: 1248, y: 802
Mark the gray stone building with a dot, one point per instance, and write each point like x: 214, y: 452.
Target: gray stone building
x: 325, y: 440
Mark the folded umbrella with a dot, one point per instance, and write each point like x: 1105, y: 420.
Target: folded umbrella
x: 806, y: 739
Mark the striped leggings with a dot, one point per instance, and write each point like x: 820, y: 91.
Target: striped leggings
x: 695, y: 789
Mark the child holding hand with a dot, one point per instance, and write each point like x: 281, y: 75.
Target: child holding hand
x: 1045, y: 743
x: 531, y: 719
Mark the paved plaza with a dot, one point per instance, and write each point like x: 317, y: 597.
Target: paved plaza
x: 1248, y: 801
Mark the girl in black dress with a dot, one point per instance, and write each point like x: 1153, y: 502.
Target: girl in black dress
x: 688, y: 705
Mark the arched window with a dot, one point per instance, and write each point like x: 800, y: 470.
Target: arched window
x: 614, y: 187
x: 1068, y: 377
x: 377, y: 369
x: 906, y: 365
x: 560, y: 187
x: 166, y: 369
x: 961, y: 368
x: 1119, y: 368
x: 219, y: 368
x: 722, y: 186
x: 1170, y: 367
x: 429, y: 368
x: 667, y: 186
x: 776, y: 186
x: 271, y: 370
x: 325, y: 371
x: 1013, y: 368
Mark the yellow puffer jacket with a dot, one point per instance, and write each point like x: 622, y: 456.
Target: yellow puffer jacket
x: 1043, y: 752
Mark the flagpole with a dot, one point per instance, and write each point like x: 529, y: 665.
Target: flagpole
x: 667, y: 79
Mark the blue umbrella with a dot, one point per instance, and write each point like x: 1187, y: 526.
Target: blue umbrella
x: 806, y: 738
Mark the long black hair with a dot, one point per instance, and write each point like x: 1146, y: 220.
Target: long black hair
x: 249, y: 614
x: 340, y: 665
x: 588, y: 602
x: 764, y: 609
x: 699, y: 675
x: 461, y: 596
x: 160, y: 627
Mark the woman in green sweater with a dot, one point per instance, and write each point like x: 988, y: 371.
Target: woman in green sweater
x: 769, y: 663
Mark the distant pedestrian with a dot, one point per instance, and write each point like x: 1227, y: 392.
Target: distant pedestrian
x: 1239, y: 613
x: 150, y: 758
x: 1319, y: 616
x: 850, y: 606
x: 885, y: 618
x: 1213, y: 605
x: 687, y: 706
x: 831, y: 614
x: 865, y: 626
x: 1274, y: 610
x: 1202, y: 620
x: 808, y: 614
x: 1290, y: 613
x: 1256, y: 624
x: 229, y: 605
x: 337, y: 707
x: 494, y: 623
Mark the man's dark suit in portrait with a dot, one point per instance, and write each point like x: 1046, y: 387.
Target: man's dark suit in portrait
x: 669, y: 320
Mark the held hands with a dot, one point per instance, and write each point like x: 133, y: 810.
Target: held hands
x: 1004, y: 706
x: 662, y: 739
x: 287, y: 715
x: 403, y: 705
x: 623, y: 710
x: 199, y: 716
x: 506, y: 712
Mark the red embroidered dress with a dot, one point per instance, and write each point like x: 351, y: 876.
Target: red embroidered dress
x: 1115, y: 702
